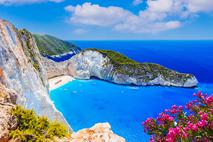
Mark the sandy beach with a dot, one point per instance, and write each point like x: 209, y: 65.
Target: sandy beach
x: 59, y: 81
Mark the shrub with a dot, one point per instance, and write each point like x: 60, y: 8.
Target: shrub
x: 192, y: 124
x: 33, y: 128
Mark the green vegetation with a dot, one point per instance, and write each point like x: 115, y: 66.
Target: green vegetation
x: 146, y: 71
x: 29, y: 50
x: 49, y: 45
x: 33, y: 128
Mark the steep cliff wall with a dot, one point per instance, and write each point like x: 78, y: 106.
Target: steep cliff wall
x: 21, y: 70
x: 114, y: 67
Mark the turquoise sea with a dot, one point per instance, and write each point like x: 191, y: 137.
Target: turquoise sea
x: 84, y: 103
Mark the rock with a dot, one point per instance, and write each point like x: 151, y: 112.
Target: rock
x: 114, y: 67
x: 7, y: 101
x: 21, y: 70
x: 5, y: 121
x: 54, y: 69
x: 7, y: 95
x: 100, y: 132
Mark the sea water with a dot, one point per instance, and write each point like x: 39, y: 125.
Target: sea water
x: 84, y: 103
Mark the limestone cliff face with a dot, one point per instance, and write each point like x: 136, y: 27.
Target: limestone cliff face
x: 7, y: 102
x: 55, y: 69
x: 105, y: 65
x: 100, y: 132
x: 22, y: 71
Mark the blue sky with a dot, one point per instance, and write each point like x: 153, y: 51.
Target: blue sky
x: 113, y: 19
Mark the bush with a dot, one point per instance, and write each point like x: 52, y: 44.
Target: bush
x: 194, y: 124
x: 33, y: 128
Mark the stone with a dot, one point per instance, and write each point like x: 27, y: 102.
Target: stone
x: 100, y: 132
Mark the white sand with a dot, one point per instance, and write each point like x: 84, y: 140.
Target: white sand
x: 59, y: 81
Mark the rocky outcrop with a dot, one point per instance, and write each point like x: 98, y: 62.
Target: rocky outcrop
x: 116, y: 68
x: 55, y: 69
x: 21, y: 70
x: 100, y: 132
x: 7, y: 102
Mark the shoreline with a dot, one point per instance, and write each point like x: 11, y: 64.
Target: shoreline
x: 59, y: 81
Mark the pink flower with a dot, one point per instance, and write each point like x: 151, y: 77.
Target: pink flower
x: 183, y: 126
x: 180, y: 107
x: 204, y: 116
x: 184, y: 134
x: 170, y: 118
x: 174, y: 107
x: 194, y: 127
x: 199, y: 94
x: 152, y: 139
x: 200, y: 112
x: 209, y: 100
x: 201, y: 123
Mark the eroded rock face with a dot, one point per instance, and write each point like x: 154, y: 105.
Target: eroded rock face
x: 100, y: 132
x: 55, y: 69
x: 93, y: 63
x: 22, y: 71
x: 7, y: 102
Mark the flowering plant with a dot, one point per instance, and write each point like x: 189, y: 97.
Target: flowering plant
x: 194, y: 123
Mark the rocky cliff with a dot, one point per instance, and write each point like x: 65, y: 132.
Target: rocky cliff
x: 7, y: 102
x: 23, y: 81
x: 21, y: 70
x: 100, y: 132
x: 117, y: 68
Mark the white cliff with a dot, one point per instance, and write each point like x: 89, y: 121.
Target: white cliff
x: 22, y: 71
x: 96, y: 63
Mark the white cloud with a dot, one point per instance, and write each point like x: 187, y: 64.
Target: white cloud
x: 96, y: 15
x: 69, y: 8
x: 9, y: 2
x: 200, y: 5
x: 159, y: 15
x: 137, y: 2
x: 79, y: 31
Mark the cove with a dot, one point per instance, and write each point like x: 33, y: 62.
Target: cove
x: 84, y: 103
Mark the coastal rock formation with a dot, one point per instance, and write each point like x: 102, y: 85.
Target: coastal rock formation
x: 21, y: 70
x: 55, y: 69
x: 7, y: 102
x: 117, y: 68
x: 100, y: 132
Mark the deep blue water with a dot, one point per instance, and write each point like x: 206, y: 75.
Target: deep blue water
x: 61, y: 58
x: 84, y: 103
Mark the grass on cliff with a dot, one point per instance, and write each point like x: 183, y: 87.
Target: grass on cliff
x: 116, y: 57
x: 148, y: 71
x: 29, y: 50
x: 33, y: 128
x: 49, y: 45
